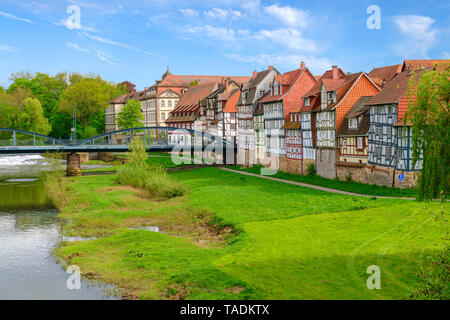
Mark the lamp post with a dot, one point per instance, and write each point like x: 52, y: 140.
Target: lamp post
x: 74, y: 126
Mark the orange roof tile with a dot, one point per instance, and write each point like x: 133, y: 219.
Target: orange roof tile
x: 412, y: 65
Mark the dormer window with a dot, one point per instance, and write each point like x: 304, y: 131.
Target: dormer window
x: 353, y: 123
x: 307, y: 102
x: 331, y: 97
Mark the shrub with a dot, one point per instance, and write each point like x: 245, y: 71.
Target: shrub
x: 349, y: 176
x: 153, y: 179
x: 310, y: 169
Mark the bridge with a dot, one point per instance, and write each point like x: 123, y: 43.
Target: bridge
x: 163, y: 139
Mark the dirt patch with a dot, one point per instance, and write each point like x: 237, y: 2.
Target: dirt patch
x: 176, y: 292
x: 235, y: 289
x: 194, y: 224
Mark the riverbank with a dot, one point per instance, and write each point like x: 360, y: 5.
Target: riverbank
x: 240, y: 237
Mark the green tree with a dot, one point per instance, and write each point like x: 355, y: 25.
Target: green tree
x: 33, y: 117
x: 87, y: 97
x: 430, y: 118
x: 131, y: 115
x: 90, y: 96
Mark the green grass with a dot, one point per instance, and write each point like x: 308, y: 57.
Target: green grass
x: 350, y: 186
x: 289, y: 242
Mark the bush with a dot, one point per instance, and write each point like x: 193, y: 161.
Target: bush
x: 153, y: 179
x: 310, y: 169
x: 349, y: 176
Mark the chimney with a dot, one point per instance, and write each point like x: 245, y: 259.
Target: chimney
x: 302, y: 65
x: 334, y: 72
x: 254, y: 74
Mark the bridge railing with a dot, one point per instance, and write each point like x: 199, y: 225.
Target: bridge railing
x: 151, y: 136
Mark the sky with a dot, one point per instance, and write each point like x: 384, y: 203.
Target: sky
x: 138, y: 40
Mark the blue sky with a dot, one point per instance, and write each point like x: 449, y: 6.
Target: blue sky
x: 137, y: 40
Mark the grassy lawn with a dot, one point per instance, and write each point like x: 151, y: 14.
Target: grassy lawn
x: 350, y: 186
x: 288, y: 242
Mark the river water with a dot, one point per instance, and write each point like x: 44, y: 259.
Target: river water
x: 29, y: 231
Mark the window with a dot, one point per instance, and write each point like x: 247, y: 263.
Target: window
x: 307, y: 102
x: 163, y: 116
x: 344, y: 143
x: 169, y: 103
x: 352, y: 123
x: 163, y: 104
x: 388, y: 153
x: 359, y: 142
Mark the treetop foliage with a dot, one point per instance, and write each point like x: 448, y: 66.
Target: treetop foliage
x: 428, y: 112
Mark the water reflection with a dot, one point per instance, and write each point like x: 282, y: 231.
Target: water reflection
x: 29, y: 231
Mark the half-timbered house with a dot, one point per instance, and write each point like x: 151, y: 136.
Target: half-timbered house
x: 389, y: 138
x: 294, y: 150
x: 188, y: 109
x: 260, y: 134
x: 337, y: 97
x: 221, y: 110
x: 311, y: 105
x: 251, y: 91
x: 286, y: 92
x: 353, y: 141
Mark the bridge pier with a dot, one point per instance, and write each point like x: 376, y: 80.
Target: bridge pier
x: 73, y: 165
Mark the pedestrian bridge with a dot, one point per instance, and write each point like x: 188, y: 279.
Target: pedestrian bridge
x: 162, y: 139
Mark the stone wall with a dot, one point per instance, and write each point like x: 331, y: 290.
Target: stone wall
x: 378, y: 175
x: 291, y: 165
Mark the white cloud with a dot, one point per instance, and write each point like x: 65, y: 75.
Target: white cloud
x: 220, y: 33
x: 103, y: 56
x: 115, y: 43
x: 5, y: 47
x: 223, y: 14
x: 105, y: 40
x: 189, y: 13
x: 250, y: 4
x: 13, y: 17
x: 288, y: 15
x: 420, y: 36
x: 315, y: 64
x: 291, y: 38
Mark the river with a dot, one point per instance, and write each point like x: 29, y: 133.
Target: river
x: 29, y: 231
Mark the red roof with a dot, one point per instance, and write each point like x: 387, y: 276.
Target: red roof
x: 193, y: 95
x: 383, y: 75
x: 395, y: 91
x: 412, y: 65
x: 172, y: 80
x: 287, y: 80
x: 231, y: 104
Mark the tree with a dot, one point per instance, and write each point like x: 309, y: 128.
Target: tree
x: 131, y: 87
x: 131, y: 115
x: 87, y: 97
x: 33, y: 118
x: 90, y: 96
x: 430, y: 117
